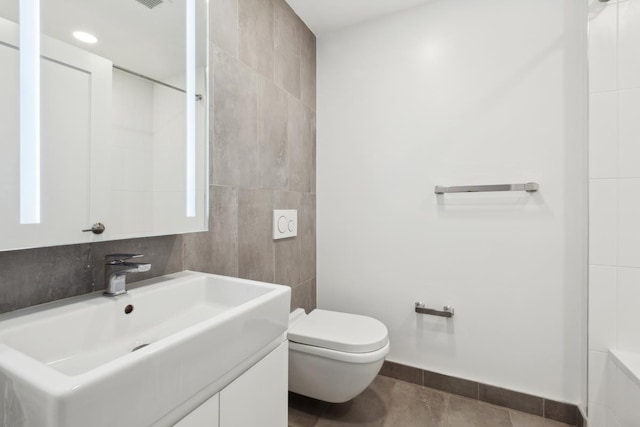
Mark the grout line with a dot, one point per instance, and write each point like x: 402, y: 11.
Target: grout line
x: 617, y: 147
x: 602, y: 92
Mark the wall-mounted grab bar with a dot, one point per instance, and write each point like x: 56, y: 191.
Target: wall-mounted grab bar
x: 529, y: 187
x: 447, y: 310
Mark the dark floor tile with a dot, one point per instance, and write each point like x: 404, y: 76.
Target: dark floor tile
x: 402, y: 372
x: 413, y: 405
x: 464, y: 412
x: 559, y: 411
x: 389, y: 403
x: 511, y: 399
x: 304, y: 411
x: 451, y: 385
x: 369, y: 409
x: 521, y: 419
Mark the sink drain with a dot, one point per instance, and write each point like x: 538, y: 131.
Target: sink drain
x: 139, y: 347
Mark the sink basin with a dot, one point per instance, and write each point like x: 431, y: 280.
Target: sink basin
x: 146, y: 358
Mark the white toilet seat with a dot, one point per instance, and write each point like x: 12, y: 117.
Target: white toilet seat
x: 341, y: 356
x: 340, y: 332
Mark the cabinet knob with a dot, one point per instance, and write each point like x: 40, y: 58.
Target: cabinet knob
x: 97, y: 228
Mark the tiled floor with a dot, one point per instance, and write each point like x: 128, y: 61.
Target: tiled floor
x: 392, y: 403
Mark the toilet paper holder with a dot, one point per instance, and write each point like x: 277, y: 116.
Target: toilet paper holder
x: 447, y: 310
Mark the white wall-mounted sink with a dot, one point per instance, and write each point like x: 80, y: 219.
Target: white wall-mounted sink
x: 71, y: 363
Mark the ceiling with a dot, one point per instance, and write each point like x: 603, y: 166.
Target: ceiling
x: 329, y: 15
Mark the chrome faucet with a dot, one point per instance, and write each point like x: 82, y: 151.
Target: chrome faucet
x: 116, y: 269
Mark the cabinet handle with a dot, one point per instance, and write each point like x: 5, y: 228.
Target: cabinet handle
x: 97, y: 228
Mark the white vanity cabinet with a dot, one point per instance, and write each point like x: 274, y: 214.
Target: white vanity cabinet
x: 258, y: 397
x: 206, y: 415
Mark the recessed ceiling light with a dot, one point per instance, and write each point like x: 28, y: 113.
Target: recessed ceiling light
x: 85, y: 37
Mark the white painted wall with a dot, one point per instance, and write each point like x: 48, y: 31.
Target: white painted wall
x: 453, y: 93
x: 614, y: 231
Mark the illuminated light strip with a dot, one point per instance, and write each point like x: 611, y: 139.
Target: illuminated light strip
x: 29, y: 111
x: 191, y: 108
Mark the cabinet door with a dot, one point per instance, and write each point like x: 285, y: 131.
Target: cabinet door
x: 259, y: 396
x: 75, y: 88
x: 206, y: 415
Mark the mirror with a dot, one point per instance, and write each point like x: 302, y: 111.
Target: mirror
x: 105, y: 113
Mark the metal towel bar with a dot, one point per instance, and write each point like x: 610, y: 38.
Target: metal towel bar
x: 447, y: 310
x: 529, y: 187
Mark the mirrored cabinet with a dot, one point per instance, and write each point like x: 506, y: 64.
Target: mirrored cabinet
x: 104, y: 120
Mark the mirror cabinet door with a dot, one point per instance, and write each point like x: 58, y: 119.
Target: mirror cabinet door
x: 122, y: 121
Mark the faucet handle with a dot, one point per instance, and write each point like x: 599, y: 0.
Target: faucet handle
x: 120, y: 258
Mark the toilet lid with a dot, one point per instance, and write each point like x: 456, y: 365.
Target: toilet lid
x: 339, y: 331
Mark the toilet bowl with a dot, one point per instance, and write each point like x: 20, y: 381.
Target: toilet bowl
x: 334, y: 356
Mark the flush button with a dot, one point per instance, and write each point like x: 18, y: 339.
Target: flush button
x: 285, y: 223
x: 282, y: 224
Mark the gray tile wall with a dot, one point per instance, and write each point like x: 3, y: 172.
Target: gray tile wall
x: 262, y: 158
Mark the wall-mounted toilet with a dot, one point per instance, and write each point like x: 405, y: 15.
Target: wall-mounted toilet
x: 334, y: 356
